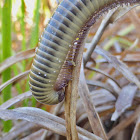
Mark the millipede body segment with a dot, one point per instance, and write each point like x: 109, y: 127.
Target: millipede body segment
x: 52, y: 66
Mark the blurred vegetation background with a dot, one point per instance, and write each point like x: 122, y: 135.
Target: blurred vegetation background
x: 21, y: 23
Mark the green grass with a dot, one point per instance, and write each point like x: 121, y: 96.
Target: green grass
x: 23, y: 30
x: 35, y: 29
x: 6, y: 52
x: 13, y: 29
x: 17, y: 68
x: 0, y: 34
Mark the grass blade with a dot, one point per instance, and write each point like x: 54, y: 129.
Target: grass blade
x: 6, y: 52
x: 0, y: 34
x: 35, y: 30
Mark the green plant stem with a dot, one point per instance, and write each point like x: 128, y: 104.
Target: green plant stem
x: 35, y: 30
x: 23, y: 30
x: 6, y: 52
x: 0, y: 34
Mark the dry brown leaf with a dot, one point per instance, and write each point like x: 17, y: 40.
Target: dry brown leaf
x: 14, y: 59
x: 135, y: 20
x: 124, y: 100
x: 15, y: 100
x: 93, y: 116
x: 104, y: 73
x: 132, y: 57
x: 119, y: 65
x: 136, y: 133
x: 12, y: 80
x: 44, y: 119
x: 101, y: 97
x: 121, y: 11
x: 103, y: 85
x: 35, y: 136
x: 19, y: 130
x: 124, y: 123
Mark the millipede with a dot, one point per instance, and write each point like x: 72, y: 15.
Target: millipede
x: 55, y: 55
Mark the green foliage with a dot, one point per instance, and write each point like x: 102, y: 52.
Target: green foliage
x: 15, y: 32
x: 6, y: 52
x: 35, y: 29
x: 0, y: 34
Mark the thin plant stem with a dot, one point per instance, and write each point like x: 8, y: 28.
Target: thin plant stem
x: 6, y: 52
x: 35, y: 29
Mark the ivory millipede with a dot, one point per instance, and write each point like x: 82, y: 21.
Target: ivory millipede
x: 52, y: 66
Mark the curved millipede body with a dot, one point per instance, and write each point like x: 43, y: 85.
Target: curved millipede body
x: 52, y: 66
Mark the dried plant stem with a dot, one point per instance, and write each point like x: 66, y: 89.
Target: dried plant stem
x: 71, y: 99
x: 47, y: 133
x: 67, y: 111
x: 135, y: 20
x: 104, y: 73
x: 73, y: 111
x: 93, y: 116
x: 136, y: 134
x: 75, y: 83
x: 98, y: 35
